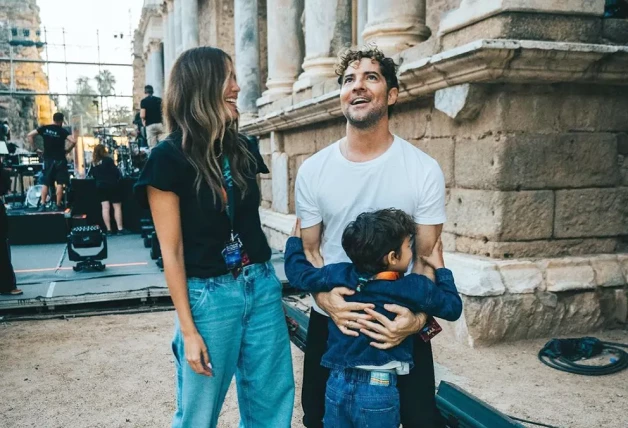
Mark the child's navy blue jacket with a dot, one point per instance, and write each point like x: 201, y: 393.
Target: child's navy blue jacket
x: 415, y: 292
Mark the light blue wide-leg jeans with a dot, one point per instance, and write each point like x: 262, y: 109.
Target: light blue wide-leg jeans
x: 243, y: 325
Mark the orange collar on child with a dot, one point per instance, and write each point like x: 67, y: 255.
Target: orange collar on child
x: 387, y: 276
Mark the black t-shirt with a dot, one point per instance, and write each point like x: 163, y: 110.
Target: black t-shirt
x: 152, y: 105
x: 204, y: 224
x: 54, y: 141
x: 106, y: 173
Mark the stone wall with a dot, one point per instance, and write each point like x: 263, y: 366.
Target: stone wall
x: 216, y: 24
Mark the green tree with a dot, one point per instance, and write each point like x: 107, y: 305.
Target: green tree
x: 120, y: 114
x: 82, y: 104
x: 106, y: 82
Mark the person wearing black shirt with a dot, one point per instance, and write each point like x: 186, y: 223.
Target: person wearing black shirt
x: 7, y: 274
x: 150, y: 112
x: 55, y: 163
x: 200, y: 184
x: 108, y: 187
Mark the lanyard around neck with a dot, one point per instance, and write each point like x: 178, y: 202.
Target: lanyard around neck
x: 228, y: 195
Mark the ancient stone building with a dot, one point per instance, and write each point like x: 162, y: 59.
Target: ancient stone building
x: 23, y: 112
x: 523, y: 104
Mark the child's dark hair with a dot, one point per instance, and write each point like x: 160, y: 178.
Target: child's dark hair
x: 373, y: 235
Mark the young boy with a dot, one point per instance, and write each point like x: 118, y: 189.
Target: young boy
x: 361, y: 387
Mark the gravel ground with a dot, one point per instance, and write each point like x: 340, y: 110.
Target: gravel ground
x: 117, y: 371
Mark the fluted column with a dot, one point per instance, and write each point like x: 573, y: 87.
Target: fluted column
x: 189, y: 24
x: 154, y: 69
x: 178, y: 45
x: 327, y: 31
x: 171, y: 48
x: 247, y: 55
x: 395, y: 25
x: 166, y: 38
x: 362, y: 19
x: 285, y: 47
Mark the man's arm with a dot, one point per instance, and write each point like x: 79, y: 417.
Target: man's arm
x: 426, y: 237
x: 70, y: 139
x: 311, y: 237
x: 29, y: 138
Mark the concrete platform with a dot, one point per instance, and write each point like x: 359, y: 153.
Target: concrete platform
x: 46, y: 276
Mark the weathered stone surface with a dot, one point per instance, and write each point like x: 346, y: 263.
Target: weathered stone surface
x: 472, y: 11
x: 528, y: 26
x: 622, y: 258
x: 623, y: 170
x: 461, y: 102
x: 276, y: 142
x: 474, y: 276
x: 489, y: 320
x: 545, y: 248
x: 215, y: 24
x: 500, y: 215
x: 568, y: 274
x: 441, y: 149
x: 521, y: 276
x: 615, y: 31
x: 536, y: 161
x: 435, y: 9
x: 312, y: 138
x: 266, y: 189
x: 295, y: 164
x: 591, y: 212
x: 280, y: 182
x: 621, y: 308
x: 264, y: 145
x: 449, y: 242
x: 608, y: 271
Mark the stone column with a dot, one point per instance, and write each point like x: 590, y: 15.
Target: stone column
x: 154, y: 69
x: 395, y: 25
x: 247, y: 55
x: 166, y: 38
x: 285, y: 47
x: 189, y: 24
x: 362, y: 19
x: 171, y: 48
x: 178, y: 46
x: 327, y: 31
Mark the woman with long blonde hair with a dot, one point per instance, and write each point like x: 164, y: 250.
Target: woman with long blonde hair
x: 200, y: 184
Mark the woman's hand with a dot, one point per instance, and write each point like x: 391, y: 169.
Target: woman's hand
x: 196, y: 354
x: 387, y: 333
x: 344, y: 315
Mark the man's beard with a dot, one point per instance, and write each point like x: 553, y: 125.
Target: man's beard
x: 368, y: 121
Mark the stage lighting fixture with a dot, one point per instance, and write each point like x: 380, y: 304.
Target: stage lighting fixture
x: 82, y: 237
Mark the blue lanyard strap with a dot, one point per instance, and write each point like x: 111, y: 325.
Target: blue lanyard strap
x: 228, y: 184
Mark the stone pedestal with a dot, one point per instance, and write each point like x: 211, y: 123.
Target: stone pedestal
x: 247, y: 56
x: 472, y: 11
x: 285, y: 47
x: 154, y: 68
x: 189, y: 24
x: 395, y: 25
x: 327, y: 32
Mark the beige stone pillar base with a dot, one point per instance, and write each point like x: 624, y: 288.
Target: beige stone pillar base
x: 315, y: 70
x: 395, y: 36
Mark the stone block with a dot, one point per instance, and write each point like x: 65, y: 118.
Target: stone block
x: 521, y: 276
x: 509, y: 317
x: 475, y: 276
x: 266, y: 189
x: 461, y: 102
x: 568, y: 274
x: 591, y: 212
x: 280, y: 187
x: 621, y: 308
x: 622, y: 258
x: 623, y: 170
x: 473, y: 11
x: 331, y: 85
x: 615, y: 31
x: 264, y: 145
x: 536, y: 161
x: 540, y: 248
x: 268, y: 162
x: 303, y: 95
x: 441, y: 149
x: 318, y: 89
x: 449, y: 242
x: 497, y: 216
x: 528, y: 26
x: 607, y: 271
x: 276, y: 142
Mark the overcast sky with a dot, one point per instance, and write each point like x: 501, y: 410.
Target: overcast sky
x: 81, y: 19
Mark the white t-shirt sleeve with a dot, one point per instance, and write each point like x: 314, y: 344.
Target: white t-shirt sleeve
x: 306, y: 205
x: 430, y: 208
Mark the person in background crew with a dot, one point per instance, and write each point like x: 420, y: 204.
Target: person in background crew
x: 55, y: 162
x: 150, y: 112
x: 7, y: 275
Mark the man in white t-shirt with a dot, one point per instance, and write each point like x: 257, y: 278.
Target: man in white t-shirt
x: 369, y: 169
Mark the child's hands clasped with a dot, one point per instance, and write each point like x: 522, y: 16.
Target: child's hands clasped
x: 435, y: 260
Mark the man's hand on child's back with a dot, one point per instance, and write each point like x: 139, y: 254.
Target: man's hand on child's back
x: 435, y: 260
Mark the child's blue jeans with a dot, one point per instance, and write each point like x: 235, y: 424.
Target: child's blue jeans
x: 243, y: 325
x: 361, y: 399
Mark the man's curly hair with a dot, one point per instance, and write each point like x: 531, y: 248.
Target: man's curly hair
x: 387, y: 65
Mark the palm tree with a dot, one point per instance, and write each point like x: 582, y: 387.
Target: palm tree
x: 105, y: 81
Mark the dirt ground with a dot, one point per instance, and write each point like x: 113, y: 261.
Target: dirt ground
x: 117, y: 371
